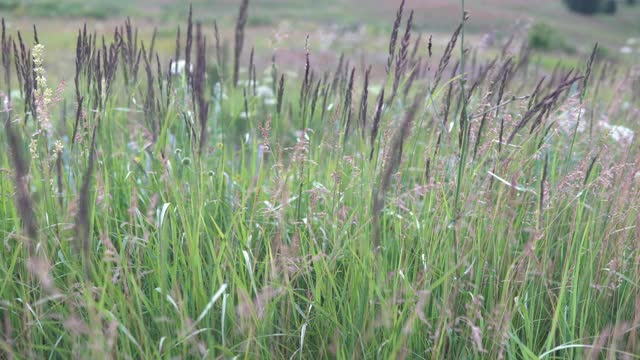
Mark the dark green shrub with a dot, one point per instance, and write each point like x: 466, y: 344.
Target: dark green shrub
x: 584, y: 6
x: 9, y: 5
x: 610, y: 7
x: 544, y: 37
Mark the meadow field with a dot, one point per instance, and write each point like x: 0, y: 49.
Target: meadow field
x: 284, y: 179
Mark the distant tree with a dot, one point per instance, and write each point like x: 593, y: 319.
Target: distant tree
x: 584, y: 6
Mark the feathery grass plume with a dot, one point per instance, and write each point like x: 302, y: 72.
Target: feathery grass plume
x: 376, y: 123
x: 543, y: 105
x: 130, y: 52
x: 25, y: 68
x: 306, y: 84
x: 280, y: 94
x: 446, y: 56
x: 110, y: 64
x: 79, y: 62
x: 239, y: 39
x: 395, y: 158
x: 347, y: 107
x: 403, y: 53
x: 188, y: 45
x: 402, y: 58
x: 394, y: 37
x: 36, y: 263
x: 24, y: 202
x: 198, y: 85
x: 363, y: 102
x: 504, y: 78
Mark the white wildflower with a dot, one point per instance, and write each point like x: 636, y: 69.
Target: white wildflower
x: 626, y: 50
x: 33, y: 148
x: 618, y: 133
x: 264, y: 91
x: 178, y: 67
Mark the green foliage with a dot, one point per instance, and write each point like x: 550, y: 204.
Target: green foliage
x: 544, y: 37
x: 63, y: 9
x: 588, y: 7
x: 9, y: 5
x: 610, y: 7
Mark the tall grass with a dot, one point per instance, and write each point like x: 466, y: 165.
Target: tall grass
x: 179, y: 214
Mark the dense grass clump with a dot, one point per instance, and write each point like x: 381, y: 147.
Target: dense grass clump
x: 455, y: 205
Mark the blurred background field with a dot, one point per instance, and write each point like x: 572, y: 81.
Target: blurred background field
x: 356, y: 27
